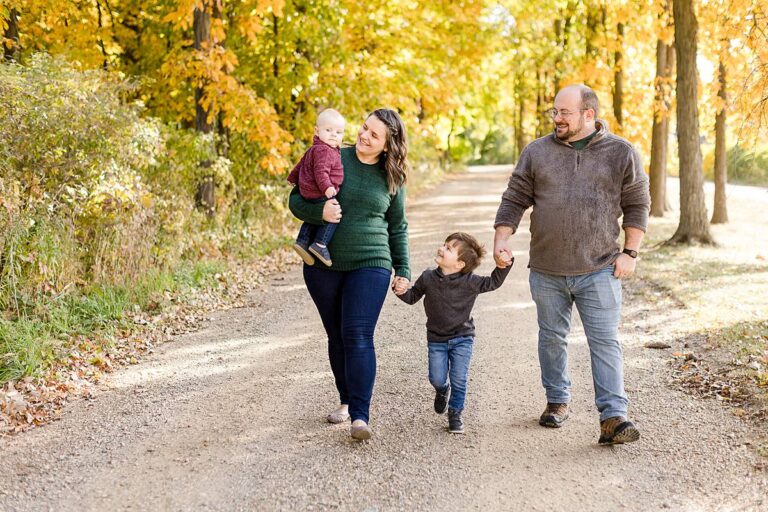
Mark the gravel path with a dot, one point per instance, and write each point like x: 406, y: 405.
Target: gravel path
x: 232, y: 417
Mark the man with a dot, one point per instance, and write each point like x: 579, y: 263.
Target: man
x: 579, y: 180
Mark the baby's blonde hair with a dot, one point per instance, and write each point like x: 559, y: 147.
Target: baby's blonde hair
x: 329, y: 115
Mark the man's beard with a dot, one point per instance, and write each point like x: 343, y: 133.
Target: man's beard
x: 570, y: 133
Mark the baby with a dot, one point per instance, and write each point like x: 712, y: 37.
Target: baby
x: 319, y: 175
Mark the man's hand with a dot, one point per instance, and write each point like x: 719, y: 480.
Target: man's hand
x: 502, y: 254
x: 330, y: 192
x: 506, y: 259
x: 400, y: 285
x: 624, y: 266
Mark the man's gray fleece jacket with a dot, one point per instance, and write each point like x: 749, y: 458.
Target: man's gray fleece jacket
x: 577, y: 199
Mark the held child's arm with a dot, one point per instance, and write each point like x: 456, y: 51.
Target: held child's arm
x: 497, y: 277
x: 414, y: 294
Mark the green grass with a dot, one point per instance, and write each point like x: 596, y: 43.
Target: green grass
x: 33, y: 340
x: 25, y: 347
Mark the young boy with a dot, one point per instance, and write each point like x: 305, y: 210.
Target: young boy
x: 319, y: 175
x: 450, y: 291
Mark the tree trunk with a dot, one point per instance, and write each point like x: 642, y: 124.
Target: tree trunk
x: 670, y: 67
x: 562, y: 28
x: 694, y: 225
x: 558, y: 29
x: 520, y: 139
x: 11, y: 50
x: 539, y: 103
x: 660, y: 131
x: 447, y: 158
x: 205, y: 197
x: 276, y: 34
x: 720, y: 211
x: 590, y: 49
x: 515, y: 125
x: 618, y: 79
x: 665, y: 61
x: 100, y: 38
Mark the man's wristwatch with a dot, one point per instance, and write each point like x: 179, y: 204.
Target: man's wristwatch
x: 630, y: 253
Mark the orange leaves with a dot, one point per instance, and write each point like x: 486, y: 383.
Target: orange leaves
x: 243, y: 112
x: 181, y: 15
x: 211, y: 69
x: 250, y: 26
x: 249, y: 17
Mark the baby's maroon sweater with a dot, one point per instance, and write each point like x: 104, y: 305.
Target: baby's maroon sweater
x: 318, y: 169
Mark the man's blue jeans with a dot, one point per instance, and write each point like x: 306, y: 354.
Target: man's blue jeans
x: 598, y: 299
x: 449, y: 364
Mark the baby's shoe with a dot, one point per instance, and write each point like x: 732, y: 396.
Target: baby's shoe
x: 321, y: 253
x: 301, y: 248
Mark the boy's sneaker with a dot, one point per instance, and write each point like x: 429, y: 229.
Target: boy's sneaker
x: 455, y: 423
x: 617, y: 430
x: 301, y: 248
x: 321, y: 253
x: 554, y: 415
x: 441, y: 400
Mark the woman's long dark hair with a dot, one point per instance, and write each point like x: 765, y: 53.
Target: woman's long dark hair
x: 396, y: 156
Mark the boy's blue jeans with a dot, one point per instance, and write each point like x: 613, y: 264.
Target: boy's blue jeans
x: 449, y: 364
x: 598, y: 298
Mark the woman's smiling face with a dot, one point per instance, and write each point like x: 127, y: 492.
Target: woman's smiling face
x: 372, y: 137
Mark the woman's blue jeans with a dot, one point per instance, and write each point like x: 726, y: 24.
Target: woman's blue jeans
x: 349, y: 304
x: 597, y: 296
x: 449, y: 364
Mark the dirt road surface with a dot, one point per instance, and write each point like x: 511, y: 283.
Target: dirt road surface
x: 232, y: 417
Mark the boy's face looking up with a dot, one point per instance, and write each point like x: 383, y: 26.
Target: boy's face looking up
x: 330, y: 127
x: 448, y: 257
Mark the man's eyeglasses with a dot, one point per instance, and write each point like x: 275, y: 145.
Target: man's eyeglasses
x: 553, y: 112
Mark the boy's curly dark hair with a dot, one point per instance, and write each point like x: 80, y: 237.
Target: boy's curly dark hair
x: 470, y: 250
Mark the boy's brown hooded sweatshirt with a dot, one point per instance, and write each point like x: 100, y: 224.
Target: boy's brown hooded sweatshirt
x: 577, y: 198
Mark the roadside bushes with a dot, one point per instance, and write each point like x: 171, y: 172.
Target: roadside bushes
x: 97, y: 198
x: 75, y: 206
x: 94, y: 198
x: 745, y: 166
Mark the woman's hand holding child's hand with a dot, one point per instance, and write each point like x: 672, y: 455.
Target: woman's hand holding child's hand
x: 400, y: 285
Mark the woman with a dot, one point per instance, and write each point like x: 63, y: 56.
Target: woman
x: 371, y: 240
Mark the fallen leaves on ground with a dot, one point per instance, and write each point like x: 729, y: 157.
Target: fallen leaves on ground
x: 702, y: 370
x: 32, y: 402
